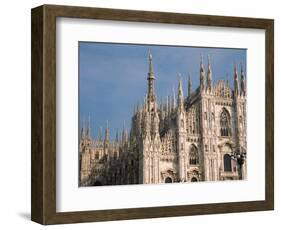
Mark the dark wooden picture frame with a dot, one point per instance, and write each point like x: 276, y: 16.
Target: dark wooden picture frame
x: 43, y: 188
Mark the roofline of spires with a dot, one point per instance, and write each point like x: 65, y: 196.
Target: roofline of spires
x: 168, y: 108
x: 88, y: 137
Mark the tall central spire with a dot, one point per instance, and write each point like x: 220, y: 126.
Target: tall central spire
x: 150, y: 78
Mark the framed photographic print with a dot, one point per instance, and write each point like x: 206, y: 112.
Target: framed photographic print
x: 148, y: 114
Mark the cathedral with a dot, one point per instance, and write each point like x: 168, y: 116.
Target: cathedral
x: 188, y: 138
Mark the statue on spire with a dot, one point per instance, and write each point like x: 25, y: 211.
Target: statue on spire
x: 189, y: 86
x: 180, y: 95
x: 202, y: 74
x: 117, y: 136
x: 167, y: 105
x: 83, y: 131
x: 161, y: 108
x: 150, y: 79
x: 151, y: 69
x: 100, y: 134
x: 174, y: 100
x: 123, y: 133
x: 243, y: 82
x: 236, y: 81
x: 209, y: 74
x: 106, y: 138
x: 89, y: 130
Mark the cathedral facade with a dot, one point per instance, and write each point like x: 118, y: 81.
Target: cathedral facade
x: 189, y: 138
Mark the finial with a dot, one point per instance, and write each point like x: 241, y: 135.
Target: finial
x: 236, y: 81
x: 180, y: 95
x: 209, y: 64
x: 189, y: 85
x: 201, y: 64
x: 89, y: 120
x: 106, y: 131
x: 100, y: 133
x: 168, y: 105
x: 117, y: 136
x: 83, y: 121
x: 123, y: 132
x: 83, y: 128
x: 89, y: 127
x: 242, y: 70
x: 149, y: 55
x: 180, y: 84
x: 174, y: 99
x: 201, y: 59
x: 120, y: 136
x: 209, y: 75
x: 151, y: 70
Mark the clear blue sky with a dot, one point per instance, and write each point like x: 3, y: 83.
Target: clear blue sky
x: 112, y: 77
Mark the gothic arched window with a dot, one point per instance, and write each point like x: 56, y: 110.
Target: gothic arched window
x: 225, y: 123
x: 227, y: 163
x: 193, y: 156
